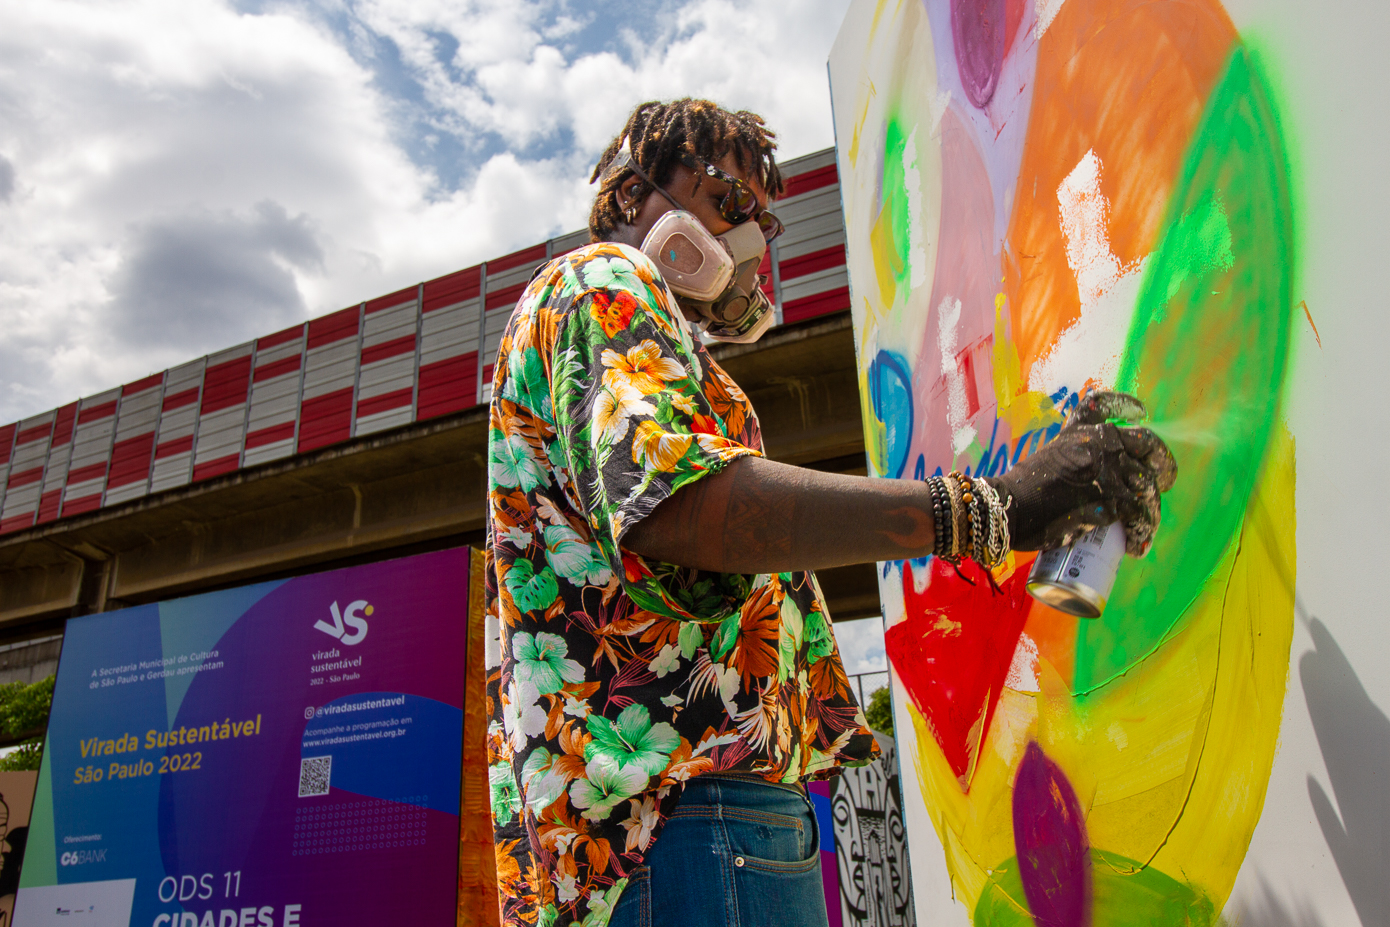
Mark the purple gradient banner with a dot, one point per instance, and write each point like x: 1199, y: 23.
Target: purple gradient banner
x: 281, y: 754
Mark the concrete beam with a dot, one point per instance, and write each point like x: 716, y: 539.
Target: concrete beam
x: 382, y: 495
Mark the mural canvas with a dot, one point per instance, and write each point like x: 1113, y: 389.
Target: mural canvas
x: 1044, y: 198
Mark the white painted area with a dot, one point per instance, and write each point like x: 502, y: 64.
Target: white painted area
x: 1046, y: 11
x: 957, y: 403
x: 1092, y: 346
x: 936, y: 107
x: 912, y: 184
x: 1023, y: 671
x: 1084, y: 213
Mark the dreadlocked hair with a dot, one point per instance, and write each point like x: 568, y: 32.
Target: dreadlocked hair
x: 657, y: 133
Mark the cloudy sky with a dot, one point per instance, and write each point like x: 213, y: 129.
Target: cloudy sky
x: 177, y: 176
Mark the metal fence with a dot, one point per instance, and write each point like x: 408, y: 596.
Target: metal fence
x: 866, y: 684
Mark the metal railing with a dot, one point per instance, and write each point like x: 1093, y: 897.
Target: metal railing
x: 866, y: 684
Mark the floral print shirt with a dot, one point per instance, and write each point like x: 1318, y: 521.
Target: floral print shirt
x: 613, y: 680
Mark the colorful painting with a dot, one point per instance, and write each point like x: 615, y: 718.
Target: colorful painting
x: 1044, y: 198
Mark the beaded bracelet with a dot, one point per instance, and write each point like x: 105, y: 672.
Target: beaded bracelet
x: 942, y: 515
x: 970, y: 520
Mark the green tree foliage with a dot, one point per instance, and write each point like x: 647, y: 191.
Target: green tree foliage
x: 24, y: 708
x: 880, y: 711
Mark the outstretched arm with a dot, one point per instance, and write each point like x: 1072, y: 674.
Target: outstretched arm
x: 760, y: 516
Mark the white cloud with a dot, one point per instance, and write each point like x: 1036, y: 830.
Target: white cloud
x: 182, y: 168
x: 861, y: 646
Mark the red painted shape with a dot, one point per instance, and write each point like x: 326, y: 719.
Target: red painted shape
x: 532, y: 255
x: 7, y: 442
x: 811, y: 180
x: 25, y: 477
x: 1054, y: 852
x: 953, y: 652
x: 90, y: 472
x: 808, y: 307
x: 804, y: 264
x: 131, y: 460
x: 263, y: 436
x: 179, y: 400
x: 176, y: 446
x: 281, y: 337
x: 966, y: 360
x: 63, y: 425
x: 226, y: 384
x: 388, y: 349
x: 17, y: 523
x: 49, y: 504
x: 452, y: 289
x: 210, y: 468
x: 506, y: 297
x: 97, y: 413
x: 334, y: 327
x: 395, y: 399
x: 325, y: 420
x: 139, y: 386
x: 29, y: 435
x: 449, y: 385
x: 277, y: 368
x: 391, y: 300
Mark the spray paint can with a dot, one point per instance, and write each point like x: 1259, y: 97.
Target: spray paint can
x: 1078, y: 579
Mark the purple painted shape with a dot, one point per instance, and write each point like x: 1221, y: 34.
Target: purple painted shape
x: 978, y: 34
x: 830, y: 875
x: 819, y: 791
x: 1054, y: 854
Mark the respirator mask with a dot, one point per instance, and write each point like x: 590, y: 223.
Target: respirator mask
x: 716, y: 277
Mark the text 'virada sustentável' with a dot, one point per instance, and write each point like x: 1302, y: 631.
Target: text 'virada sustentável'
x: 178, y: 737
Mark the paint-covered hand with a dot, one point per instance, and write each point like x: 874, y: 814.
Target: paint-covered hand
x: 1093, y: 473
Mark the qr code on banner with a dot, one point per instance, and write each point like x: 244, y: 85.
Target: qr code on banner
x: 314, y: 773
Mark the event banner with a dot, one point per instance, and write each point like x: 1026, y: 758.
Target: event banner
x: 274, y: 755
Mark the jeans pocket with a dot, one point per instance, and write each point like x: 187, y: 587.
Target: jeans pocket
x: 768, y: 836
x: 779, y: 893
x: 634, y: 907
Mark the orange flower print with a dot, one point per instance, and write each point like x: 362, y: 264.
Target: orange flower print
x: 613, y: 313
x: 658, y: 450
x: 643, y: 367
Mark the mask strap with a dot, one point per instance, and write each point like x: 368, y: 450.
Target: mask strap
x: 630, y: 163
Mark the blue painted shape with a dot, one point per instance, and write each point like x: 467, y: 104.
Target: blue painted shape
x: 890, y: 394
x: 820, y: 801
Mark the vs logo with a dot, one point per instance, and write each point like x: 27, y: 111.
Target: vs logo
x: 349, y: 617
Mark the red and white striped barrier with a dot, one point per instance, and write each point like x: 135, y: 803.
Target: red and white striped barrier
x: 409, y: 356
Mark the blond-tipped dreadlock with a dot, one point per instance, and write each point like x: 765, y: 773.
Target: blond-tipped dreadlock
x: 656, y: 133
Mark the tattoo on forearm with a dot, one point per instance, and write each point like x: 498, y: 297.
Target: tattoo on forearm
x: 921, y: 530
x: 759, y: 517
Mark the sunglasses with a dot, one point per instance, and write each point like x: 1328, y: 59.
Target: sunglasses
x: 740, y: 204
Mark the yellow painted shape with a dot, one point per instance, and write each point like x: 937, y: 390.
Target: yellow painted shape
x: 1170, y: 760
x: 1018, y: 408
x: 875, y: 431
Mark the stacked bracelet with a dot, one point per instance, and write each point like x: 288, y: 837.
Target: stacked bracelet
x: 970, y: 520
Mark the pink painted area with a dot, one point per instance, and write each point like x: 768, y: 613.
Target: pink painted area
x: 967, y: 269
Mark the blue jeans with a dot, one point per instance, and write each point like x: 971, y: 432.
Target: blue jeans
x: 735, y: 853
